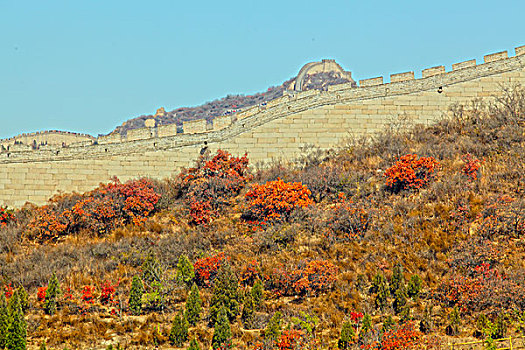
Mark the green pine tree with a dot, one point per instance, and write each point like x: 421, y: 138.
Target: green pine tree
x: 22, y: 294
x: 135, y: 296
x: 194, y: 345
x: 257, y: 294
x: 398, y: 279
x: 366, y: 324
x: 193, y: 305
x: 52, y: 294
x: 400, y: 300
x: 179, y: 331
x: 225, y: 293
x: 380, y: 288
x: 414, y: 287
x: 248, y: 311
x: 273, y: 328
x: 17, y: 330
x: 185, y: 272
x: 347, y: 336
x: 4, y: 320
x: 222, y: 333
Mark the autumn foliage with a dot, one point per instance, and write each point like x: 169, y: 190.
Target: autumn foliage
x: 410, y: 172
x: 311, y: 279
x: 6, y: 216
x: 212, y: 183
x: 206, y: 269
x: 472, y: 166
x: 275, y: 201
x: 100, y: 210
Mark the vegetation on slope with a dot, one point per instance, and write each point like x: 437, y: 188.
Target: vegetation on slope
x: 410, y: 240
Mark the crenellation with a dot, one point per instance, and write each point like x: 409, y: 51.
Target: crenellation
x: 495, y: 56
x: 401, y: 77
x: 194, y: 126
x: 371, y: 82
x: 429, y: 72
x: 520, y: 50
x: 464, y: 64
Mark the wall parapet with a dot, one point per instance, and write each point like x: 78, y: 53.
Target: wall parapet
x: 196, y: 132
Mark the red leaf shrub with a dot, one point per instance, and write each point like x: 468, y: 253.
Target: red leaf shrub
x: 472, y: 166
x: 206, y: 269
x: 41, y: 294
x: 250, y: 272
x: 107, y: 292
x: 410, y: 172
x: 87, y: 294
x: 211, y: 184
x: 404, y: 337
x: 98, y: 211
x: 8, y: 290
x: 274, y: 201
x: 6, y: 216
x: 290, y: 339
x: 316, y: 277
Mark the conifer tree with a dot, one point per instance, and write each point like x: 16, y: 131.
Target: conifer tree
x: 17, y: 330
x: 22, y: 294
x: 4, y: 320
x: 248, y: 311
x: 273, y: 328
x: 179, y: 331
x: 185, y: 272
x: 380, y: 287
x: 366, y: 323
x: 225, y: 293
x: 222, y: 333
x: 135, y: 296
x: 194, y: 345
x: 347, y: 335
x: 414, y: 287
x: 193, y: 305
x: 397, y: 280
x: 52, y: 294
x: 257, y: 294
x: 400, y: 300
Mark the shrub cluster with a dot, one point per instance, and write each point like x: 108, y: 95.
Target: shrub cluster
x: 347, y: 221
x: 100, y: 210
x: 206, y: 269
x: 6, y: 216
x: 212, y: 183
x: 274, y: 201
x: 410, y: 172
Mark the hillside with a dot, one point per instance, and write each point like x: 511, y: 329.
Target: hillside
x: 231, y: 103
x: 409, y: 240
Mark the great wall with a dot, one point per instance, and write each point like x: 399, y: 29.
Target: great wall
x: 33, y: 171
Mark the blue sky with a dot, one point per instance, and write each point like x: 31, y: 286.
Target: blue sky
x: 87, y: 66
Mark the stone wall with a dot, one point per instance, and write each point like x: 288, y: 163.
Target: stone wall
x: 51, y: 137
x: 273, y: 131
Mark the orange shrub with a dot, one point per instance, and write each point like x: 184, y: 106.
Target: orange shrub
x: 274, y: 201
x: 410, y: 172
x: 211, y: 184
x: 6, y: 216
x: 472, y: 166
x: 404, y: 337
x: 206, y: 269
x: 316, y: 277
x: 290, y: 339
x: 97, y: 211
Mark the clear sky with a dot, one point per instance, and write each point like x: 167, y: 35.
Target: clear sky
x: 87, y: 66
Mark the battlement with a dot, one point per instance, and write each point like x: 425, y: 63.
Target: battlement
x: 273, y: 130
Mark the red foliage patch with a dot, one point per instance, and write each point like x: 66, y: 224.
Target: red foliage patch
x: 211, y: 184
x: 274, y: 201
x: 41, y: 294
x: 206, y: 269
x: 8, y: 290
x: 316, y: 277
x: 290, y: 339
x: 404, y: 337
x: 410, y: 172
x: 472, y: 166
x: 6, y: 216
x: 98, y: 211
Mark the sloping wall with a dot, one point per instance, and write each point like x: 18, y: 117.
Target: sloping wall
x: 275, y: 130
